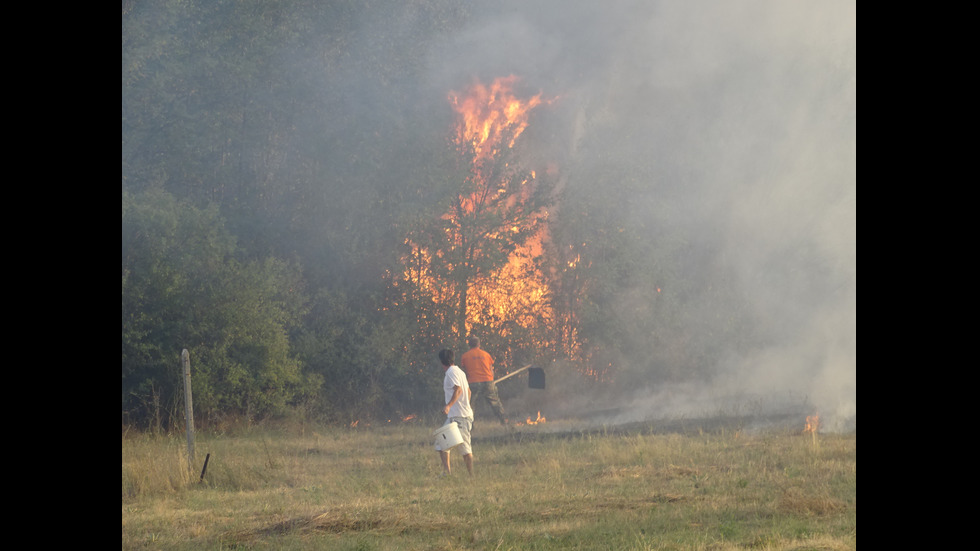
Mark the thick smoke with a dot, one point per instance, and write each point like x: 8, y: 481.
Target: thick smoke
x: 752, y: 107
x: 743, y: 115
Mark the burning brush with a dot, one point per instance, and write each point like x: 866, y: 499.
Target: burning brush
x: 812, y: 424
x: 536, y: 421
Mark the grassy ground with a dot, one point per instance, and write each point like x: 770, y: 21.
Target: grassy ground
x: 542, y: 488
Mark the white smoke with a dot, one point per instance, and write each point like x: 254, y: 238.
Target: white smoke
x: 753, y: 103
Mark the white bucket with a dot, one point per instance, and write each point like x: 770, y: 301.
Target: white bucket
x: 447, y: 436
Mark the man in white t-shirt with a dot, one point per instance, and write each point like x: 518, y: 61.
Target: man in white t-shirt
x: 457, y: 409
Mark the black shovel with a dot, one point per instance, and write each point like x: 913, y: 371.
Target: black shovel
x: 535, y: 376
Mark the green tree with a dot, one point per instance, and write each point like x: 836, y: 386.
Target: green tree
x: 183, y: 287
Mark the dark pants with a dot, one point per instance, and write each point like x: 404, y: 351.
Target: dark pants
x: 488, y: 389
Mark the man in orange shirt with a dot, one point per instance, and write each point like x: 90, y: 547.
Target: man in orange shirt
x: 478, y: 365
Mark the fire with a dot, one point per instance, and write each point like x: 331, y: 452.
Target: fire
x: 491, y: 114
x: 536, y: 421
x: 490, y: 118
x: 409, y: 418
x: 812, y: 422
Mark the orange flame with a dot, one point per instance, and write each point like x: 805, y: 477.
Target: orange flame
x: 492, y: 117
x: 518, y: 295
x: 489, y: 113
x: 409, y: 418
x: 812, y: 422
x: 536, y: 421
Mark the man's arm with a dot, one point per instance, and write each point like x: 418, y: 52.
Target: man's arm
x: 456, y: 392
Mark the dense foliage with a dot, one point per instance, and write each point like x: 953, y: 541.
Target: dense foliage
x: 279, y: 161
x: 182, y: 283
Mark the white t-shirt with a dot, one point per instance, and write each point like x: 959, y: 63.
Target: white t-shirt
x: 455, y: 377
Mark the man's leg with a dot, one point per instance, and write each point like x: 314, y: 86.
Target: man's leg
x: 465, y: 425
x: 495, y: 403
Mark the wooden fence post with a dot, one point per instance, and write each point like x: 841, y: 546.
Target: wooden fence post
x: 188, y: 407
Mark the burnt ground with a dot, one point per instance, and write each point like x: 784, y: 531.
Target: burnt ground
x: 787, y: 422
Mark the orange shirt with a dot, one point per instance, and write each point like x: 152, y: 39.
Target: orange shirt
x: 478, y: 365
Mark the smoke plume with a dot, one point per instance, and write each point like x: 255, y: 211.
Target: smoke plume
x: 750, y: 108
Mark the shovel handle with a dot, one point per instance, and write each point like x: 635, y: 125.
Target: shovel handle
x: 512, y: 373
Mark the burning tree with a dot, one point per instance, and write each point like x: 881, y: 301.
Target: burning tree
x: 478, y: 262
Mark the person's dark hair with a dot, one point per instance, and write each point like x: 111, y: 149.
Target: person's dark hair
x: 446, y: 356
x: 474, y: 341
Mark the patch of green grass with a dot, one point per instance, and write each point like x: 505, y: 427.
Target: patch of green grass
x: 380, y: 489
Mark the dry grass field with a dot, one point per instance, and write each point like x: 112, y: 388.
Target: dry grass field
x: 540, y: 487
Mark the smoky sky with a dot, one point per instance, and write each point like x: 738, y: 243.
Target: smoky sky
x: 751, y: 107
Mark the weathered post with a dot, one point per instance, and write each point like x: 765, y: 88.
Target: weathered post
x: 205, y: 469
x: 188, y: 407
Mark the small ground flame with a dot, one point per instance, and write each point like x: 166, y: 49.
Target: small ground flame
x: 536, y: 421
x: 812, y: 423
